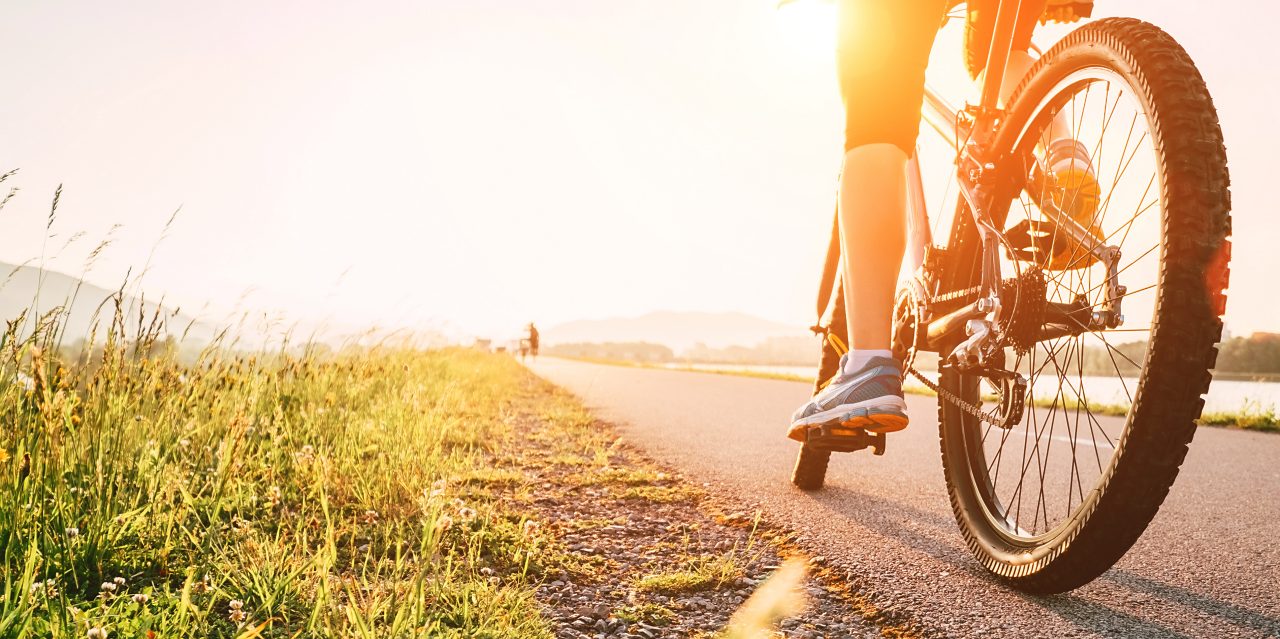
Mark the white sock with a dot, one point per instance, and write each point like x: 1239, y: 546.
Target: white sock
x: 859, y: 357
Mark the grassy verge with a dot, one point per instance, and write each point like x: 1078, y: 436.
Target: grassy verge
x: 275, y: 496
x: 1254, y: 416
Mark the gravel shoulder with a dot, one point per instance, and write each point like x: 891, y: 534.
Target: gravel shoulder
x: 643, y: 552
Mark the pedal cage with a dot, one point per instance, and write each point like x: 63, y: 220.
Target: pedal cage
x: 843, y: 439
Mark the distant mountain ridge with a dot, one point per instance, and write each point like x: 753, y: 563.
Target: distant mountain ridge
x: 18, y: 294
x: 677, y: 330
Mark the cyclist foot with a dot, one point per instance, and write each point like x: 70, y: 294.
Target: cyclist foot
x: 869, y: 399
x: 1075, y: 190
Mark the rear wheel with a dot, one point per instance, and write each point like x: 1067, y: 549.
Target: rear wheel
x: 1054, y: 501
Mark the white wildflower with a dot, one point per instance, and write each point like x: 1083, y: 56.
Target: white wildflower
x: 444, y: 523
x: 530, y: 528
x: 235, y: 611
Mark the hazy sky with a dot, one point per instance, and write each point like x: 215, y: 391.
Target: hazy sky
x: 485, y: 163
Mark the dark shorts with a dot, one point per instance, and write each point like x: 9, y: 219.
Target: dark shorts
x: 882, y: 51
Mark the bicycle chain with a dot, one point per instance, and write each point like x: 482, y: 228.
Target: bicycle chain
x: 968, y: 407
x: 989, y: 417
x: 954, y: 295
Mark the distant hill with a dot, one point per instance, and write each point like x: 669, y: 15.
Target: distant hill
x: 19, y: 293
x: 678, y: 331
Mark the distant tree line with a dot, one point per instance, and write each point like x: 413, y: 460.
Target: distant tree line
x: 1258, y: 354
x: 778, y: 351
x: 774, y: 351
x: 622, y: 351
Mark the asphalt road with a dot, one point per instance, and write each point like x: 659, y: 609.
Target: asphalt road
x: 1208, y: 566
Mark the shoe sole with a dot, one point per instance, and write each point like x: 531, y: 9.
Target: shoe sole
x: 852, y: 418
x: 1084, y: 192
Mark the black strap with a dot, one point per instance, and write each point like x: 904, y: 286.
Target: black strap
x: 829, y: 269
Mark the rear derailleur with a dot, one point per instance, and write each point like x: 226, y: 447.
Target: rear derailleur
x: 1010, y: 393
x: 1011, y: 396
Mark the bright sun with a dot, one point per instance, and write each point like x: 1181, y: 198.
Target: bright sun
x: 808, y: 25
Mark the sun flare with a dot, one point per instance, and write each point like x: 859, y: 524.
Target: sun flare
x: 808, y: 25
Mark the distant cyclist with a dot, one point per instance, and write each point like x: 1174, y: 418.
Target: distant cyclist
x: 532, y: 339
x: 883, y: 49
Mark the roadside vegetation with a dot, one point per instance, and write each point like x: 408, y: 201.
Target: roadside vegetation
x: 1252, y: 358
x: 372, y: 492
x: 276, y: 495
x: 1253, y: 415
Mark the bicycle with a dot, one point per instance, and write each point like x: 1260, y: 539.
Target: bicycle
x: 1036, y: 306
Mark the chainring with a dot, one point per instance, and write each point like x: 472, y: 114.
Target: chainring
x: 908, y: 318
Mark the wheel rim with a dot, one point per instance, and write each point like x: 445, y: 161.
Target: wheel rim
x: 1035, y: 479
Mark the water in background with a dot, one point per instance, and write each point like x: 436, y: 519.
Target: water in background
x: 1224, y: 395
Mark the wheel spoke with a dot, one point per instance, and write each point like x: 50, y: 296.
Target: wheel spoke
x: 1079, y: 394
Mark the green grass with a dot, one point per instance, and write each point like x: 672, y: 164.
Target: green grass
x: 648, y: 613
x: 1254, y: 416
x: 693, y: 576
x: 658, y: 494
x: 276, y: 496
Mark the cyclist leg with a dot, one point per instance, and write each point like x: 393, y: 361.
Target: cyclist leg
x: 883, y: 49
x: 1071, y: 181
x: 980, y: 24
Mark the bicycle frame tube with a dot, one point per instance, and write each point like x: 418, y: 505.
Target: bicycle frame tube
x: 945, y: 119
x: 977, y: 170
x: 941, y: 116
x: 919, y: 235
x: 998, y: 54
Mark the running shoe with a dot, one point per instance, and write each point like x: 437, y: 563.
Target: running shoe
x: 869, y: 399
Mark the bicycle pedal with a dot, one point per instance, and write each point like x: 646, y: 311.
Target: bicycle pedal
x: 837, y: 438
